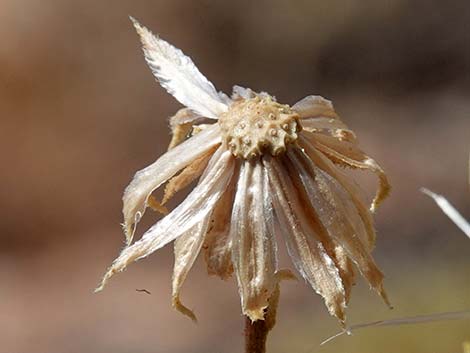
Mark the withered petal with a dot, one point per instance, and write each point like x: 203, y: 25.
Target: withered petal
x: 252, y: 233
x: 352, y: 188
x: 218, y: 243
x: 330, y: 202
x: 184, y: 116
x: 187, y: 176
x: 329, y: 126
x: 348, y: 154
x: 150, y: 178
x: 314, y: 106
x: 346, y: 270
x: 177, y: 73
x: 181, y: 124
x: 306, y: 250
x: 339, y: 216
x: 186, y: 248
x: 195, y: 208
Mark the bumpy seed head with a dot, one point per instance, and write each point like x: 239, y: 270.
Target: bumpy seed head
x: 254, y: 126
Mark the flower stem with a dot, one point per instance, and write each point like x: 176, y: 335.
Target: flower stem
x: 256, y: 333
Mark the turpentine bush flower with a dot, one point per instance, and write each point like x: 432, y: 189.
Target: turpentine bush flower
x: 262, y: 168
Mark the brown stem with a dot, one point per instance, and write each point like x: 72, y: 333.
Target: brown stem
x: 256, y: 333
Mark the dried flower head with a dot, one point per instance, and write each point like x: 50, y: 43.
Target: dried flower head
x: 261, y: 166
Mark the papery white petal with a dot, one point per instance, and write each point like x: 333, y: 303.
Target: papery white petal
x: 254, y: 247
x: 306, y: 250
x: 179, y: 76
x: 150, y: 178
x: 314, y: 106
x: 194, y: 209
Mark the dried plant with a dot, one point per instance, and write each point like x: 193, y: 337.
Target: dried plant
x: 261, y: 167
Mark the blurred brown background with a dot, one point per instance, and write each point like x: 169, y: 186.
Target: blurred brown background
x: 80, y: 113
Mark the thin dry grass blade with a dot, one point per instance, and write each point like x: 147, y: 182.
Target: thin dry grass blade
x: 421, y: 319
x: 449, y: 210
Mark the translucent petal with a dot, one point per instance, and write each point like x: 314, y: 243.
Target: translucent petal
x: 346, y: 182
x: 306, y: 250
x: 194, y: 209
x: 338, y: 215
x: 320, y: 123
x: 315, y: 106
x: 348, y: 154
x: 179, y: 76
x: 329, y: 126
x: 252, y: 232
x: 150, y: 178
x: 333, y: 205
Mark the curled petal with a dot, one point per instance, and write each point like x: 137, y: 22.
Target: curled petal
x: 218, y: 243
x: 184, y: 116
x: 179, y: 76
x: 252, y: 232
x: 315, y: 106
x: 181, y: 124
x: 329, y: 126
x: 193, y: 210
x: 145, y: 181
x: 348, y: 154
x: 306, y: 250
x: 157, y: 206
x: 187, y: 248
x: 339, y: 216
x: 179, y: 134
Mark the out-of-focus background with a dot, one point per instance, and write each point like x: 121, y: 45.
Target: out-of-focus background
x: 80, y: 113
